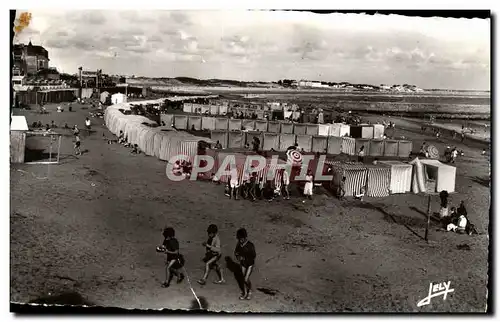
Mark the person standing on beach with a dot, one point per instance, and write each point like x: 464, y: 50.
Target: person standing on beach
x: 245, y: 254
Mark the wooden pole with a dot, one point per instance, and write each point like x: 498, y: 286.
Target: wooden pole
x: 59, y: 149
x: 428, y: 218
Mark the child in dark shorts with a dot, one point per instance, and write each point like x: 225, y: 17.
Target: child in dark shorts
x: 175, y: 261
x: 245, y: 255
x: 212, y: 255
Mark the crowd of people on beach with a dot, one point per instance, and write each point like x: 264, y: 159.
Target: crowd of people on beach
x: 244, y: 254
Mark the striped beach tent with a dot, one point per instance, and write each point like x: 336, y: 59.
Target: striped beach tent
x: 286, y: 128
x: 248, y: 125
x: 376, y: 148
x: 188, y: 148
x: 355, y: 173
x: 390, y: 148
x: 404, y: 148
x: 208, y: 123
x: 304, y: 142
x: 348, y: 146
x: 378, y: 181
x: 221, y: 136
x: 221, y: 123
x: 319, y: 144
x: 312, y: 129
x: 365, y: 143
x: 271, y: 141
x: 181, y: 122
x: 234, y: 125
x: 401, y: 176
x: 194, y: 121
x: 334, y: 145
x: 286, y: 140
x: 261, y: 125
x: 273, y: 127
x: 299, y: 129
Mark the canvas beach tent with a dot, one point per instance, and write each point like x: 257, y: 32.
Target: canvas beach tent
x: 299, y: 129
x: 438, y: 176
x: 376, y: 148
x: 221, y: 123
x: 214, y: 110
x: 181, y: 122
x: 251, y: 134
x: 323, y: 129
x: 339, y: 129
x: 378, y: 131
x: 365, y: 143
x: 286, y: 140
x: 273, y: 127
x: 168, y: 119
x: 304, y: 142
x: 401, y: 176
x: 334, y: 145
x: 261, y: 125
x: 367, y: 131
x: 405, y: 148
x: 248, y: 125
x: 194, y: 121
x: 236, y: 139
x: 208, y: 123
x: 286, y: 128
x: 319, y: 144
x: 312, y: 129
x: 271, y: 141
x: 187, y: 108
x: 221, y: 136
x: 234, y: 125
x: 391, y: 148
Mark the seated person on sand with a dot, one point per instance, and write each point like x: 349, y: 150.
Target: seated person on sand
x: 135, y: 149
x: 177, y: 170
x: 59, y: 109
x: 214, y: 178
x: 375, y: 161
x: 458, y: 225
x: 218, y: 146
x: 361, y: 194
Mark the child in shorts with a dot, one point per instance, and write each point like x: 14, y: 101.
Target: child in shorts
x: 212, y: 255
x: 245, y: 255
x: 175, y: 261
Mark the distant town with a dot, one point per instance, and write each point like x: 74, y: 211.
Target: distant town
x: 31, y: 69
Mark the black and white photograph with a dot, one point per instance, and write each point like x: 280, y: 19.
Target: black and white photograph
x: 250, y: 161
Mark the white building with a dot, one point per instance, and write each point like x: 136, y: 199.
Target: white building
x: 118, y: 98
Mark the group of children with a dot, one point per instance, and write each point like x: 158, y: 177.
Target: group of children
x: 182, y: 167
x: 244, y: 253
x: 458, y: 221
x: 253, y: 187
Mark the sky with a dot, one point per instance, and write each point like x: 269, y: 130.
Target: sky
x: 434, y: 52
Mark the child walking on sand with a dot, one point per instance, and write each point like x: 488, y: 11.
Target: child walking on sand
x: 212, y: 255
x: 175, y: 261
x: 77, y: 145
x: 245, y: 254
